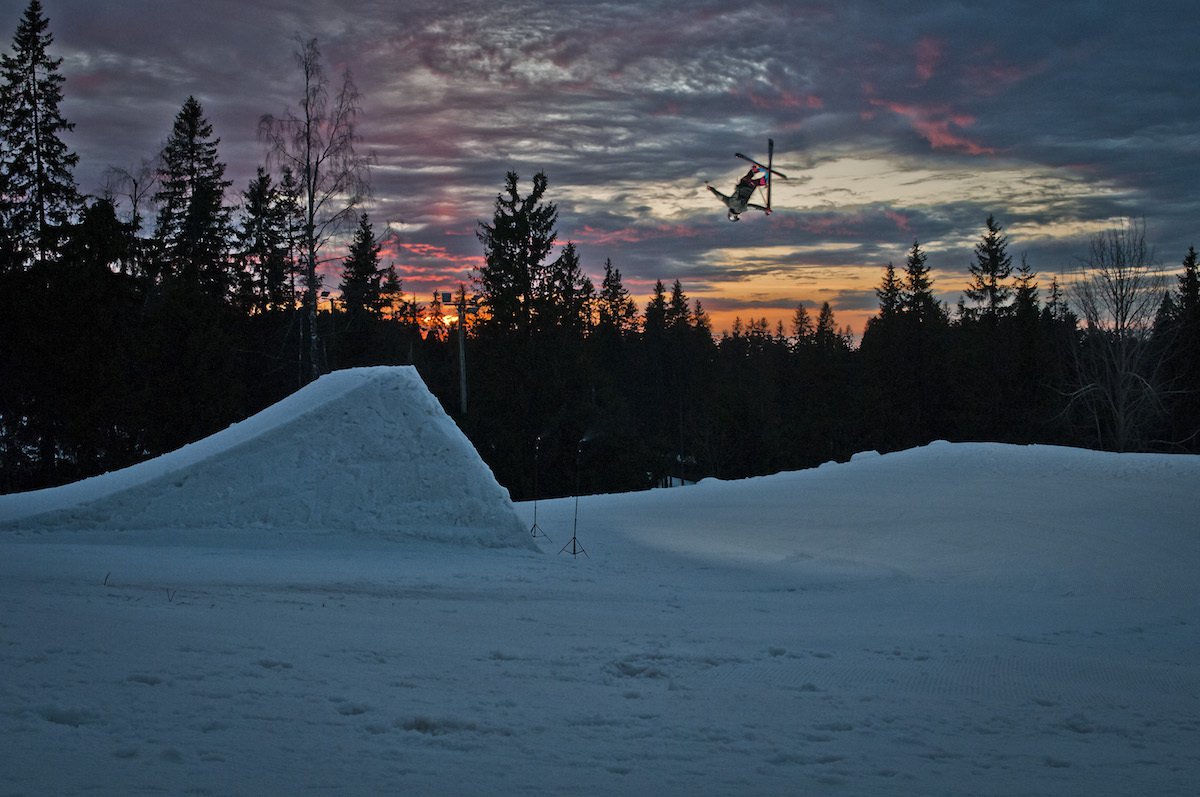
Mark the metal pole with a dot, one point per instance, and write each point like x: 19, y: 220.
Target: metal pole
x: 462, y: 351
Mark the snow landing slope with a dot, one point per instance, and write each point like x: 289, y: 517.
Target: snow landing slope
x: 959, y: 619
x: 1020, y: 517
x: 366, y: 450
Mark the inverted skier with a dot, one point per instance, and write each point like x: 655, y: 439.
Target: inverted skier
x: 739, y: 202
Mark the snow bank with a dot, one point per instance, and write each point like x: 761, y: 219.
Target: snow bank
x: 980, y: 512
x: 954, y: 619
x: 368, y: 451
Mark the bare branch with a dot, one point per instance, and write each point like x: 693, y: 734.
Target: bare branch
x: 1116, y: 367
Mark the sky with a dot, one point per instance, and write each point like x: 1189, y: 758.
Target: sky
x: 895, y: 122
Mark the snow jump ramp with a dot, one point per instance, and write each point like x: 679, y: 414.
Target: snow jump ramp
x: 365, y: 452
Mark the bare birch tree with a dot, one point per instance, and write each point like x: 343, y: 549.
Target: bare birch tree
x: 138, y: 185
x: 1117, y: 369
x: 317, y: 142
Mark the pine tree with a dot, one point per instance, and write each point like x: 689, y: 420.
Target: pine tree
x: 891, y: 295
x: 1184, y: 341
x: 701, y: 322
x: 292, y: 218
x: 678, y: 316
x: 991, y: 268
x: 1188, y: 296
x: 193, y: 228
x: 1025, y: 301
x: 435, y: 318
x: 39, y: 192
x: 917, y: 301
x: 617, y: 310
x: 826, y: 336
x: 802, y: 326
x: 393, y: 294
x: 907, y: 356
x: 655, y: 318
x: 362, y: 278
x: 1166, y: 320
x: 11, y: 258
x: 1056, y: 309
x: 515, y: 246
x: 565, y: 294
x: 262, y: 242
x: 587, y: 305
x: 99, y: 240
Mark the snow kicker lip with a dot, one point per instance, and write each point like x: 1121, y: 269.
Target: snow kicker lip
x: 365, y: 451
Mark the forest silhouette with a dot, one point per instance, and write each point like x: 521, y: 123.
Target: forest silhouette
x: 171, y: 306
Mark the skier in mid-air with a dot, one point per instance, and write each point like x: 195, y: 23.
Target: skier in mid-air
x: 740, y: 202
x: 759, y: 176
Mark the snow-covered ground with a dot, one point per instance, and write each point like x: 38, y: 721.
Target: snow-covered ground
x: 954, y: 619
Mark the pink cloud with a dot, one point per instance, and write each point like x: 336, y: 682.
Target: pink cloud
x: 899, y: 219
x: 993, y: 78
x: 591, y: 235
x: 424, y: 267
x: 630, y: 235
x: 785, y: 99
x: 424, y: 250
x: 929, y: 55
x: 841, y: 225
x: 671, y: 108
x: 937, y: 124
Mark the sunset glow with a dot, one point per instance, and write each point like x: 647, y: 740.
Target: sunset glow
x: 894, y: 123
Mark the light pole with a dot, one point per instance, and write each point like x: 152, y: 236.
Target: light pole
x: 462, y: 349
x: 463, y: 309
x: 332, y: 332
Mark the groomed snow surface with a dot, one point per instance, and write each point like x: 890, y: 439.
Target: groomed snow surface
x: 336, y: 597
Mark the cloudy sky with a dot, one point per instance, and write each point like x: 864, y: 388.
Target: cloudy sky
x: 895, y: 121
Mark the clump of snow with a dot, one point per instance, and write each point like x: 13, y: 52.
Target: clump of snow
x: 367, y: 451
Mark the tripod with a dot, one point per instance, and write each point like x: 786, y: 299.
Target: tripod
x: 573, y: 544
x: 535, y: 530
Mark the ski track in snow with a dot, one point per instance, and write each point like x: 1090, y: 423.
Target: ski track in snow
x: 809, y: 633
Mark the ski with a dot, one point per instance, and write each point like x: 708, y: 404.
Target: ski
x: 761, y: 166
x: 770, y: 166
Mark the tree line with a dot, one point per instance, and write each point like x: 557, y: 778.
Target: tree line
x: 157, y: 313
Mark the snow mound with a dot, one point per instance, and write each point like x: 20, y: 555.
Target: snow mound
x: 367, y: 450
x: 982, y: 512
